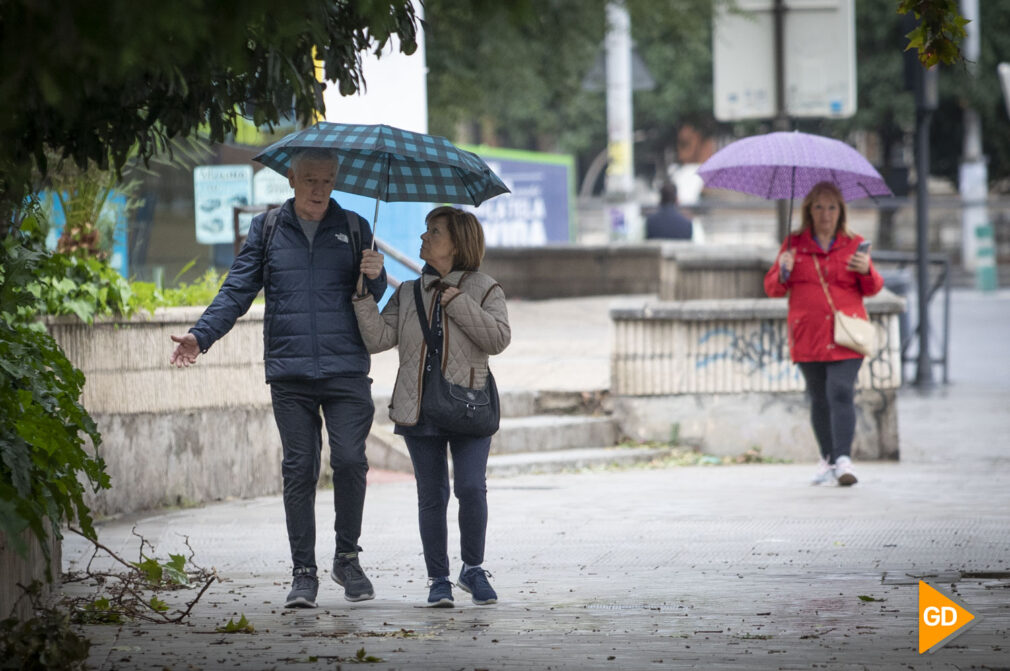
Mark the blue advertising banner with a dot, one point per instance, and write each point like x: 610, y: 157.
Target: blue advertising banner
x: 540, y: 208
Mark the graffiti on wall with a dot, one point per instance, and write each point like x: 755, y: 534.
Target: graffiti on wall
x: 764, y: 350
x: 760, y: 351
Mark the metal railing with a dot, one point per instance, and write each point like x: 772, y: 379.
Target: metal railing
x: 397, y: 256
x: 942, y: 280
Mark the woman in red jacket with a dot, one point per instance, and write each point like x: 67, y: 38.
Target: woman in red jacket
x: 830, y: 370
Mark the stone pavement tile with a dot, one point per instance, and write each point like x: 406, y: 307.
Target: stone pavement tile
x: 721, y: 567
x: 695, y: 567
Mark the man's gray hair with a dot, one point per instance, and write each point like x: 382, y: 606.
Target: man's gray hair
x: 314, y: 154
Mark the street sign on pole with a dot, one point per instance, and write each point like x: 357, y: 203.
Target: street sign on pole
x: 216, y: 190
x: 819, y: 49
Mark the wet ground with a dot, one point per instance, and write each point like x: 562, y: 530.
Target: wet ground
x: 741, y: 566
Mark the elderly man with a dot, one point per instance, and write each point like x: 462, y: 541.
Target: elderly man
x: 307, y: 257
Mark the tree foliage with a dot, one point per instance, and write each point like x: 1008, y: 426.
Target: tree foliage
x: 96, y: 83
x: 512, y: 73
x: 976, y: 85
x: 44, y: 464
x: 940, y: 30
x: 103, y: 79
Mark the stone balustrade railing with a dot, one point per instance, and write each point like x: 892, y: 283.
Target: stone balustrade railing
x: 711, y: 372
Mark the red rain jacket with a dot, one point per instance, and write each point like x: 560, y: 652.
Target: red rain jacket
x: 811, y: 322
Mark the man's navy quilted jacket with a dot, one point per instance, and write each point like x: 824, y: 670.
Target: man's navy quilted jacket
x: 309, y: 327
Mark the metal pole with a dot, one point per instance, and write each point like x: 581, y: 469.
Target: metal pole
x: 620, y: 148
x: 924, y: 115
x: 976, y: 233
x: 781, y: 122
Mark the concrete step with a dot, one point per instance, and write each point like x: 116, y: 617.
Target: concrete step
x: 543, y: 433
x: 572, y: 459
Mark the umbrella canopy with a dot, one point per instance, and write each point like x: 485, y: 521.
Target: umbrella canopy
x: 787, y: 165
x: 391, y: 164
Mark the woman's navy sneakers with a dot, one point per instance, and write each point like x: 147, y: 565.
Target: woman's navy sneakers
x: 474, y: 581
x: 440, y: 593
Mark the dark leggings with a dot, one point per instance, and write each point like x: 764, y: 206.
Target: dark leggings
x: 831, y: 386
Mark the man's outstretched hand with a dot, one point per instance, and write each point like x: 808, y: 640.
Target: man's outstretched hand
x: 186, y: 350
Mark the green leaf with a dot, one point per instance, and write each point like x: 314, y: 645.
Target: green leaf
x: 361, y: 657
x: 151, y: 570
x: 243, y: 626
x: 174, y: 575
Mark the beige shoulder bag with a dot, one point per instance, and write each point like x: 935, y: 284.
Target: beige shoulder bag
x: 856, y: 333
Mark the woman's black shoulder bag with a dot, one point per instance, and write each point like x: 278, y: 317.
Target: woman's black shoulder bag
x: 451, y: 407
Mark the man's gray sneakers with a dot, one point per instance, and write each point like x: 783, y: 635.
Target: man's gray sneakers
x: 304, y: 588
x: 348, y: 574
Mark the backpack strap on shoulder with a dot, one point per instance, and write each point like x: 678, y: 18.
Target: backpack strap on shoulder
x: 269, y: 228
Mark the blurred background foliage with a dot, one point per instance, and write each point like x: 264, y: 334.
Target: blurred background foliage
x: 511, y: 74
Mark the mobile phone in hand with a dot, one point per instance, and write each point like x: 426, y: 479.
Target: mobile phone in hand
x: 863, y: 247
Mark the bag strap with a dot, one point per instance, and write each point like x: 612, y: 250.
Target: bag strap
x: 429, y: 336
x: 824, y: 285
x: 269, y: 228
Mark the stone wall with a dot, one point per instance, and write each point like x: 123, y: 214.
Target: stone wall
x: 177, y: 437
x: 566, y: 271
x: 17, y: 571
x: 696, y: 272
x: 716, y: 374
x: 671, y: 269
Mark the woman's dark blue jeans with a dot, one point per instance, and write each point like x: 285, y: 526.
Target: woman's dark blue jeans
x: 832, y: 389
x: 431, y: 470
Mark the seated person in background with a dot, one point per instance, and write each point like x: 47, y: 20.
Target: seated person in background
x: 668, y: 222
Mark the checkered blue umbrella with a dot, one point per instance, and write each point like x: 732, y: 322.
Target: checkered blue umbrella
x: 391, y: 164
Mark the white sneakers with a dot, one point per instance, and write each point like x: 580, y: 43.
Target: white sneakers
x: 825, y: 474
x: 841, y: 473
x: 844, y: 472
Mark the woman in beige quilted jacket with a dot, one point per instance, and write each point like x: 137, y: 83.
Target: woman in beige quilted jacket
x: 466, y: 311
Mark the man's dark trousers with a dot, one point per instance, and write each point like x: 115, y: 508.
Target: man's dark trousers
x: 346, y: 404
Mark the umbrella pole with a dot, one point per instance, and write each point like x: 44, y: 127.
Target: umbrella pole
x: 789, y: 217
x: 375, y: 222
x: 385, y: 191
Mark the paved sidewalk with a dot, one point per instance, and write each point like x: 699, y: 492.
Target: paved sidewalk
x: 697, y: 567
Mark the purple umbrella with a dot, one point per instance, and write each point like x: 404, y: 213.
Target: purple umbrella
x: 787, y: 165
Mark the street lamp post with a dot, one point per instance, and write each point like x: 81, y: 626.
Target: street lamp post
x: 925, y: 104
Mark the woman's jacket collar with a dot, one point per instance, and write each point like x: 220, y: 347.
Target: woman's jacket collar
x: 431, y: 281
